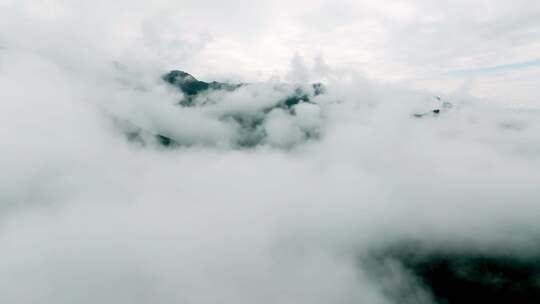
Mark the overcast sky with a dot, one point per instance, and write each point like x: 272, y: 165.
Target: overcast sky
x: 90, y: 217
x: 489, y: 47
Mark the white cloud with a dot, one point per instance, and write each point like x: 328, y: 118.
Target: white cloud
x: 87, y: 217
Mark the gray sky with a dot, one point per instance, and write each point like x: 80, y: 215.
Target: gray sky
x: 88, y: 217
x: 491, y: 47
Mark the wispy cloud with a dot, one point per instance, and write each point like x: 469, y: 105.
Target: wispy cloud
x: 532, y: 64
x: 88, y: 217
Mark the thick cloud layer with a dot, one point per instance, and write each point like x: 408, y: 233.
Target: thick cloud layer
x: 89, y: 217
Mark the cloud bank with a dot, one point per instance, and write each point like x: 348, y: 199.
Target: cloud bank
x: 88, y: 216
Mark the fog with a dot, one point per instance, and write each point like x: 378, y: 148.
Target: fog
x: 88, y: 216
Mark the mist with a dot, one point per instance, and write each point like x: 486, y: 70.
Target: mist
x: 322, y: 206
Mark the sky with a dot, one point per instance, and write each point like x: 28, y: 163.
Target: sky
x: 88, y: 216
x: 491, y: 45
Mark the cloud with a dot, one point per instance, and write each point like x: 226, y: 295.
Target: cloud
x: 89, y: 217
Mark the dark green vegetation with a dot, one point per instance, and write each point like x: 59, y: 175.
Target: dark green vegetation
x: 249, y: 124
x: 191, y: 87
x: 453, y: 277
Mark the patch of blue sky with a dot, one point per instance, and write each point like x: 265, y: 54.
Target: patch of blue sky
x: 495, y: 69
